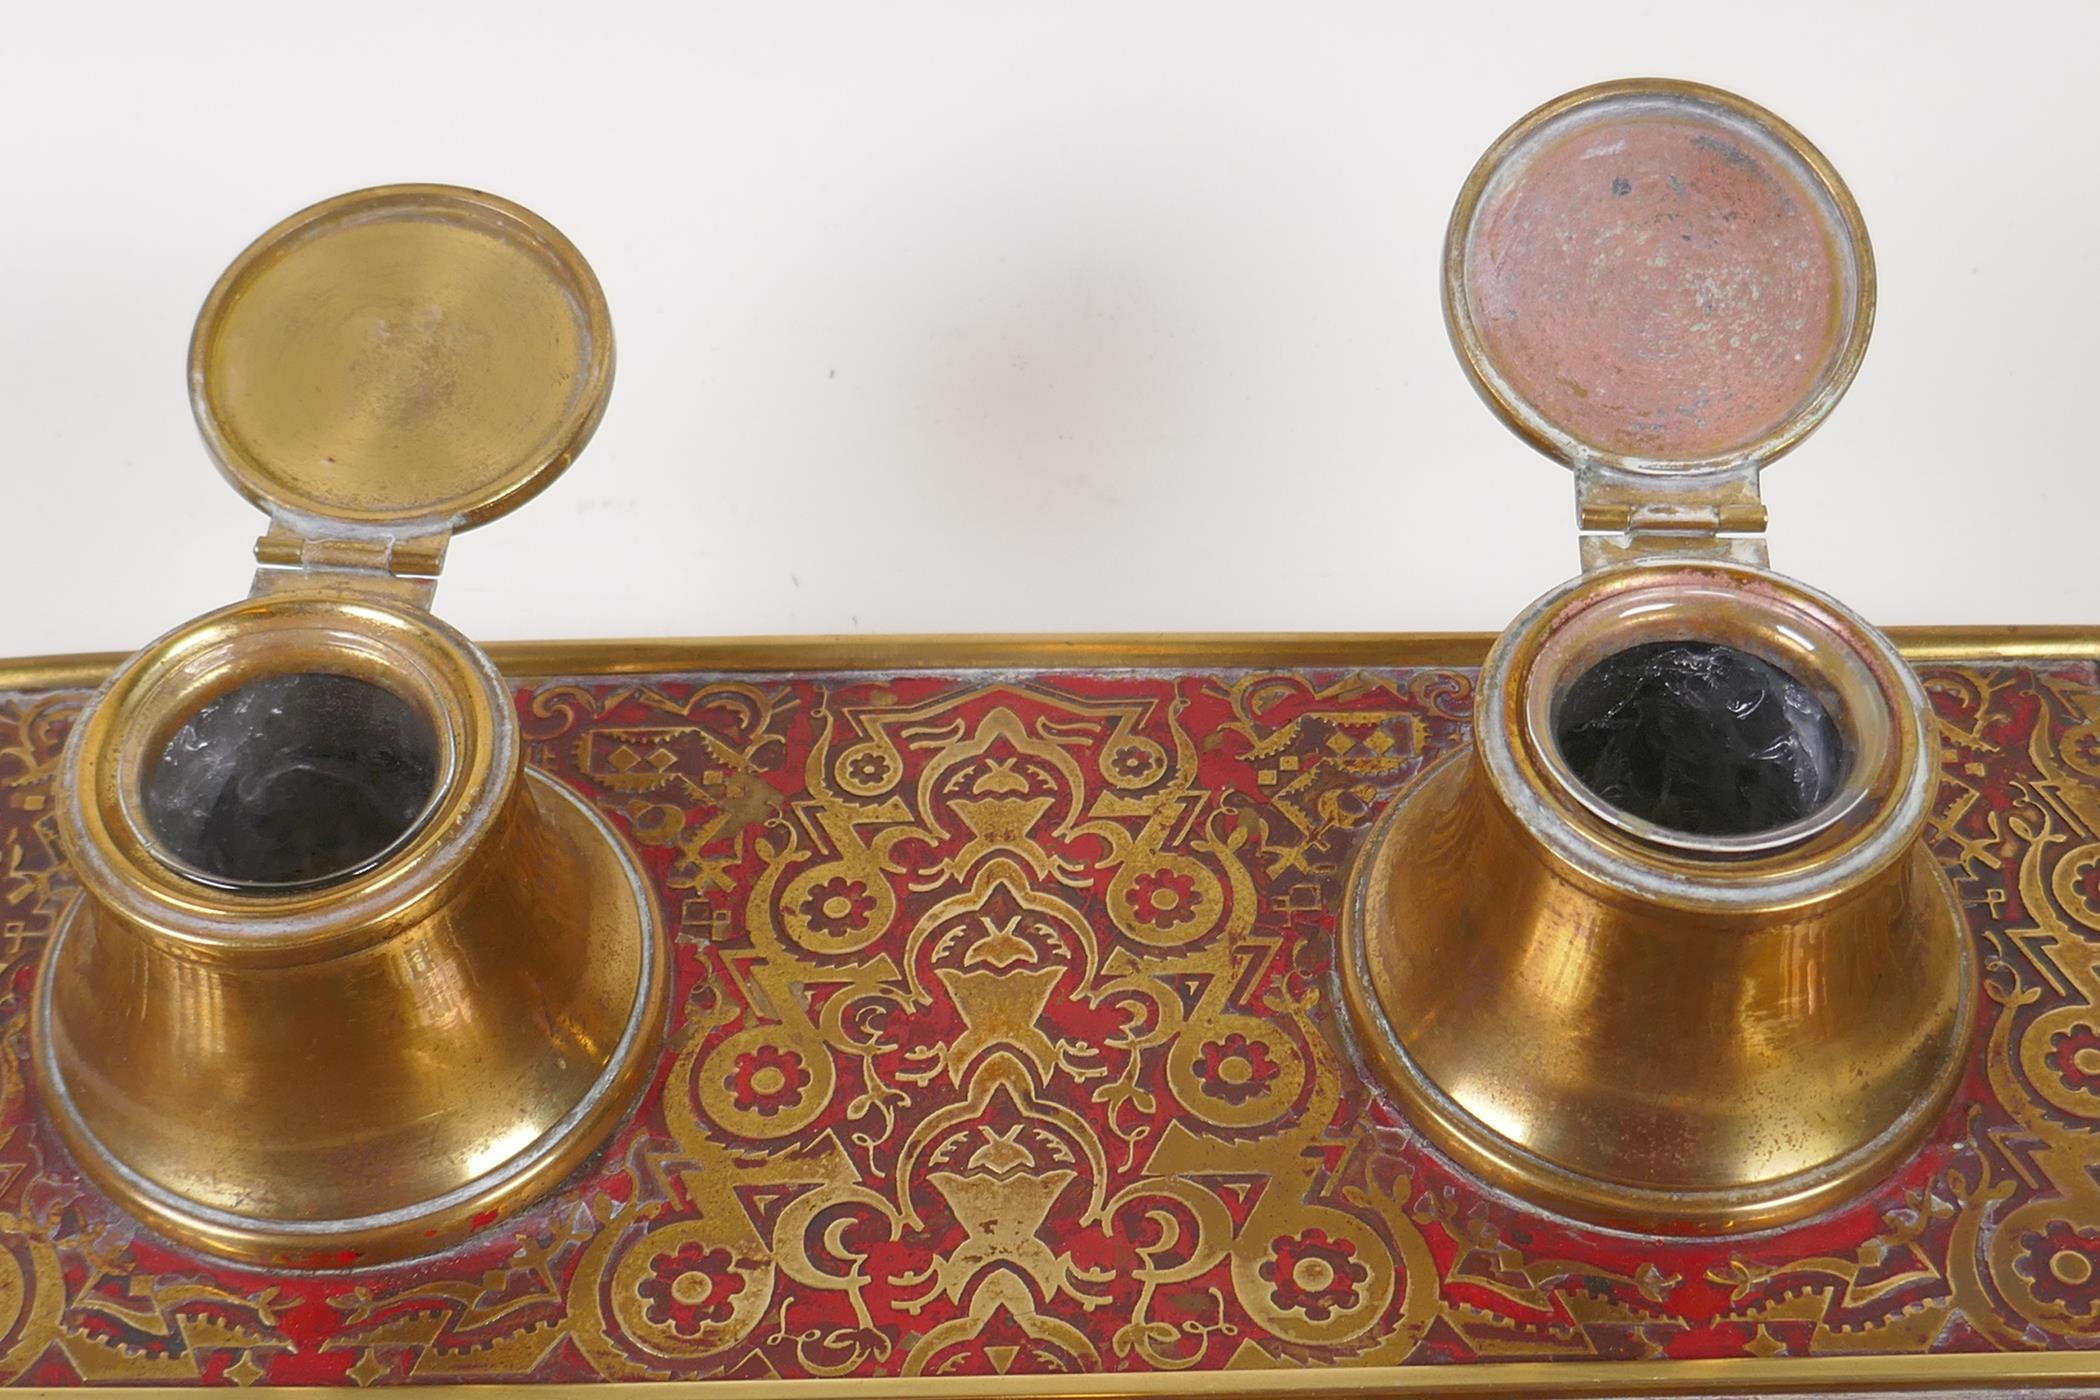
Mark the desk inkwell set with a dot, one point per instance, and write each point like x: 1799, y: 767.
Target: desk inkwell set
x: 1694, y: 993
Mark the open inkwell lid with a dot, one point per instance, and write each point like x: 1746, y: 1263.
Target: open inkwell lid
x: 395, y: 364
x: 1665, y: 287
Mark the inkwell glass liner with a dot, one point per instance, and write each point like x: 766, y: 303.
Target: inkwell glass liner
x: 348, y: 980
x: 1713, y: 980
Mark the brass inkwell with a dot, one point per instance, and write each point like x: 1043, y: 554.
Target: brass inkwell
x: 349, y: 980
x: 1663, y: 948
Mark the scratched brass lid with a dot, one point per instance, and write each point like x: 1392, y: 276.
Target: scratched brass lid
x: 408, y: 359
x: 1658, y: 277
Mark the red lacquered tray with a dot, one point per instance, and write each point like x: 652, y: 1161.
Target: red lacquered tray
x: 1006, y: 1059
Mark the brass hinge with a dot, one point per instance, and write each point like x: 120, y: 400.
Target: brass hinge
x: 1625, y: 515
x: 402, y: 567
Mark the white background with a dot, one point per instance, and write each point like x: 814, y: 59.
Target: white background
x: 1066, y: 317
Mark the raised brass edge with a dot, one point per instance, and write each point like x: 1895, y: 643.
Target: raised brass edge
x: 402, y: 1232
x: 1531, y: 426
x: 654, y: 656
x: 1733, y: 1375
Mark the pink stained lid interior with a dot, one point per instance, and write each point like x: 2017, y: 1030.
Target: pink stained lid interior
x: 1659, y: 280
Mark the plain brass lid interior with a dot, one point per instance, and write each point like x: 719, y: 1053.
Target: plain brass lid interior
x: 1658, y: 276
x: 407, y: 359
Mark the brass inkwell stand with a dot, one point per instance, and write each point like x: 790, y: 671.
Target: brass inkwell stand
x: 1663, y: 948
x: 1010, y: 971
x: 349, y: 980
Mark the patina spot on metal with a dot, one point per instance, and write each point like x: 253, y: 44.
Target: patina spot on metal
x: 1657, y: 286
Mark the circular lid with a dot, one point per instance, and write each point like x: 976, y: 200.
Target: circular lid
x: 1658, y: 276
x: 408, y: 358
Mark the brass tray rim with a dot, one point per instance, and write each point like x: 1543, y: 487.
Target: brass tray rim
x: 1962, y: 1372
x: 934, y: 651
x: 1956, y: 1373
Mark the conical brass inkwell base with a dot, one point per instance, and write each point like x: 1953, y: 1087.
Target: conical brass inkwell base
x: 1653, y: 1036
x: 338, y: 1073
x: 347, y: 980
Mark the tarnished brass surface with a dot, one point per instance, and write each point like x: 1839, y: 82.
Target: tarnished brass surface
x: 366, y: 1069
x: 411, y: 357
x: 1631, y: 1027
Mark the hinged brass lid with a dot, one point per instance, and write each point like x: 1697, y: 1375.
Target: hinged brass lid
x: 1665, y: 287
x: 392, y: 365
